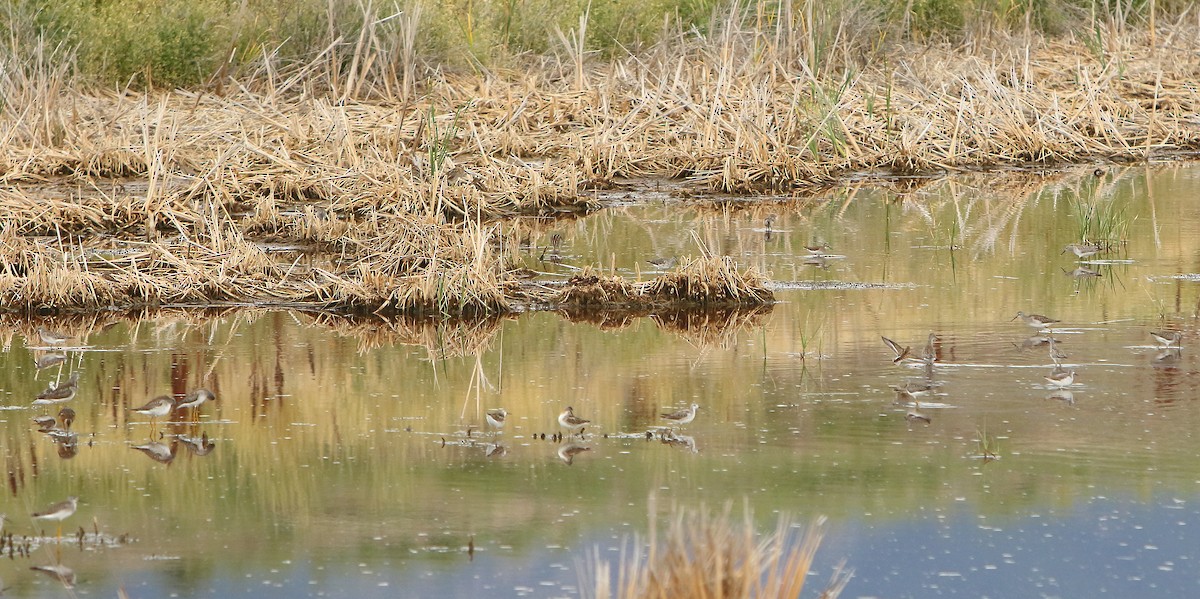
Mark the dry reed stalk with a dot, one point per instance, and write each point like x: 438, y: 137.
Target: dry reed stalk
x: 702, y: 554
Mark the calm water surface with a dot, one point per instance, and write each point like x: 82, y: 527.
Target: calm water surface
x: 339, y: 461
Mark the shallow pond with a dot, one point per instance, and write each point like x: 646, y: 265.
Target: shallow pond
x: 352, y: 458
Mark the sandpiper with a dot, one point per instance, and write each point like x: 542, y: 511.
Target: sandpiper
x: 496, y: 417
x: 58, y: 512
x: 901, y: 352
x: 59, y: 393
x: 1167, y: 338
x: 681, y: 417
x: 196, y: 398
x: 571, y: 422
x: 1035, y: 320
x: 1082, y: 250
x: 52, y: 337
x: 930, y: 353
x: 1061, y: 378
x: 662, y: 263
x: 156, y: 408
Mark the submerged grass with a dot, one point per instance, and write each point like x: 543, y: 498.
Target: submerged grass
x: 705, y: 554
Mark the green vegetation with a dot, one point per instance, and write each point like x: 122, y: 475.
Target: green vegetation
x: 148, y: 42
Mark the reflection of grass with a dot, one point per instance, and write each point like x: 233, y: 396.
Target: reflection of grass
x: 710, y: 555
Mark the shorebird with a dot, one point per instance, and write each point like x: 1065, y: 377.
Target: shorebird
x: 913, y: 389
x: 496, y: 417
x: 156, y: 408
x: 1035, y: 320
x: 571, y: 422
x: 681, y: 417
x: 901, y: 352
x: 1082, y: 250
x: 59, y: 393
x: 195, y: 399
x: 930, y: 353
x: 1056, y: 355
x: 1061, y: 378
x: 58, y: 512
x: 1167, y: 339
x: 52, y: 337
x: 663, y: 263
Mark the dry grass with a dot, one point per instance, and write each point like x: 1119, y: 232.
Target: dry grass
x: 710, y: 555
x: 386, y: 193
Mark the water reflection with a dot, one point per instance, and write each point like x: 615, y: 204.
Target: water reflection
x: 356, y: 452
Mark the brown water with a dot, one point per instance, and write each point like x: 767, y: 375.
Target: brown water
x: 340, y: 463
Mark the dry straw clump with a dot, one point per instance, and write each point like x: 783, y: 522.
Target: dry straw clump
x: 348, y: 183
x: 703, y: 554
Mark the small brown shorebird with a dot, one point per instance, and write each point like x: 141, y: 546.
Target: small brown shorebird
x: 1035, y: 320
x: 156, y: 408
x: 571, y: 422
x: 1061, y: 378
x: 902, y: 353
x: 681, y: 417
x: 58, y: 512
x: 1167, y: 338
x: 495, y: 418
x: 195, y: 399
x: 52, y: 337
x: 59, y: 393
x: 1082, y: 250
x: 663, y: 263
x: 930, y: 353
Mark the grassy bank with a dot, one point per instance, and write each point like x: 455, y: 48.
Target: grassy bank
x: 382, y: 145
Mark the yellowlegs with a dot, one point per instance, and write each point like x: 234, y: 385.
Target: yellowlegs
x: 1167, y: 338
x: 663, y: 263
x: 901, y: 352
x: 59, y: 393
x: 571, y: 422
x: 58, y: 512
x: 156, y: 408
x: 495, y: 418
x: 195, y: 399
x: 681, y: 417
x: 930, y: 353
x: 1035, y: 320
x: 52, y: 337
x: 1082, y: 250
